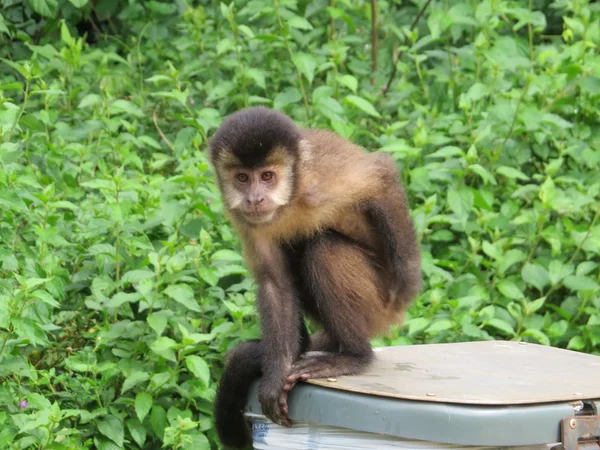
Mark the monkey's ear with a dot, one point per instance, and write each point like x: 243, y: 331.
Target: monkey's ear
x: 305, y: 150
x: 224, y: 158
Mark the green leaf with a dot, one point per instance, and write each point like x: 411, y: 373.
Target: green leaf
x: 26, y: 328
x: 580, y: 283
x: 64, y: 205
x: 46, y: 8
x: 438, y: 22
x: 558, y: 329
x: 556, y: 120
x: 475, y: 332
x: 491, y: 250
x: 65, y: 34
x: 198, y: 442
x: 135, y: 276
x: 515, y: 310
x: 461, y: 203
x: 184, y: 295
x: 143, y: 403
x: 46, y: 298
x: 512, y: 173
x: 123, y: 297
x: 134, y: 379
x: 591, y: 85
x: 225, y: 11
x: 300, y: 23
x: 137, y: 431
x: 158, y: 322
x: 158, y: 420
x: 502, y: 326
x: 199, y: 368
x: 533, y: 306
x: 535, y: 275
x: 439, y: 326
x: 306, y: 64
x: 349, y: 81
x: 511, y: 257
x: 112, y: 428
x: 258, y: 76
x: 246, y: 30
x: 89, y: 100
x: 449, y: 151
x: 576, y: 343
x: 417, y: 325
x: 547, y: 193
x: 163, y: 346
x: 477, y: 92
x: 125, y: 107
x: 483, y: 173
x: 105, y: 444
x: 79, y: 3
x: 510, y: 290
x: 286, y: 97
x: 226, y: 255
x: 362, y: 104
x: 537, y: 335
x: 38, y: 401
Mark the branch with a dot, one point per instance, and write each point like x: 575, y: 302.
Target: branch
x: 373, y: 40
x: 162, y: 135
x: 406, y: 39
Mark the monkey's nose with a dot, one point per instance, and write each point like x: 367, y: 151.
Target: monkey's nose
x: 253, y: 201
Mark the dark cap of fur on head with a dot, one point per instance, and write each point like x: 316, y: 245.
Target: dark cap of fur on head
x: 251, y: 134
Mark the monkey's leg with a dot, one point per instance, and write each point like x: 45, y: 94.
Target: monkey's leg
x: 348, y: 290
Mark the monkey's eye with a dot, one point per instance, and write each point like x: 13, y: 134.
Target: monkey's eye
x: 242, y: 177
x: 267, y: 176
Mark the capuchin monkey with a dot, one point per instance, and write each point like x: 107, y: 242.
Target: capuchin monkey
x: 326, y: 233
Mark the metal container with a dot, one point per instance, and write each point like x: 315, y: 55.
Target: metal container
x: 492, y: 394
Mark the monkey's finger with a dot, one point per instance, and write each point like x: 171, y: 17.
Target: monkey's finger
x: 294, y: 378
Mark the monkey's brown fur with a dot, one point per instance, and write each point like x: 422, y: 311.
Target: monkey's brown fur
x: 338, y: 245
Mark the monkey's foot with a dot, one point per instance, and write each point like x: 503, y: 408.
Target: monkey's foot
x: 293, y: 379
x: 324, y: 366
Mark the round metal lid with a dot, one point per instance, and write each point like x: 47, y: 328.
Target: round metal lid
x: 477, y: 373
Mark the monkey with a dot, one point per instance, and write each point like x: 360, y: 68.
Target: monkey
x: 326, y: 233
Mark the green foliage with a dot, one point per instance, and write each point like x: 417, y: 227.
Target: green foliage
x: 121, y: 283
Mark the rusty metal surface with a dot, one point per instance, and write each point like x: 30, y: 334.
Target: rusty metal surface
x: 477, y: 373
x: 581, y: 433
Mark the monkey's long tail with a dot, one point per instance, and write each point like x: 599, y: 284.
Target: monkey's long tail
x: 243, y: 367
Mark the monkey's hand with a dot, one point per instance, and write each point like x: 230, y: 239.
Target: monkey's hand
x: 273, y: 401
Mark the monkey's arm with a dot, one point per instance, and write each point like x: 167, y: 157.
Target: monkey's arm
x: 281, y: 324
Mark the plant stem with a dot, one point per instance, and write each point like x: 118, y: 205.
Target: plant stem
x: 373, y: 40
x: 291, y: 53
x: 386, y: 88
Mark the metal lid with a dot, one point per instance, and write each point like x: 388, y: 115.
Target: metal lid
x: 477, y: 373
x: 477, y: 393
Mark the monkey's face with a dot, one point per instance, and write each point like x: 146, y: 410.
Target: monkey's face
x: 258, y: 193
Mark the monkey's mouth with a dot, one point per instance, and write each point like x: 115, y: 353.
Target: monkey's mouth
x: 256, y: 216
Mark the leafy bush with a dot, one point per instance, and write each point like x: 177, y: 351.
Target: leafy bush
x: 121, y: 284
